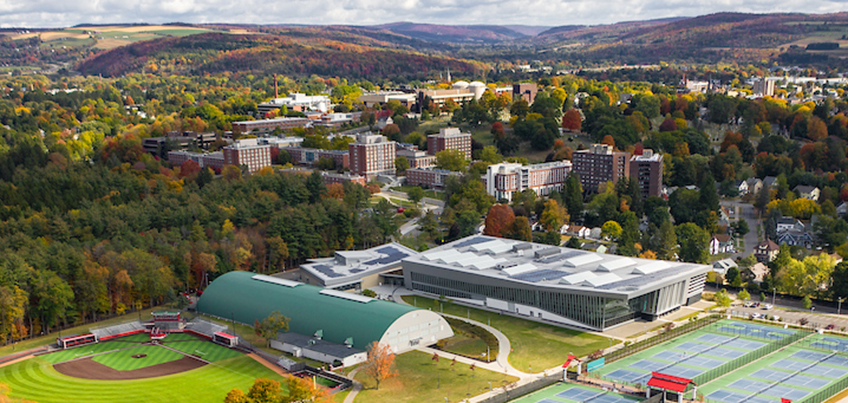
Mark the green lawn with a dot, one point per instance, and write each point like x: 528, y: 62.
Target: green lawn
x: 420, y: 379
x: 533, y: 344
x: 35, y: 379
x: 427, y: 193
x: 83, y: 351
x: 123, y: 360
x: 203, y: 348
x: 467, y: 346
x: 551, y: 393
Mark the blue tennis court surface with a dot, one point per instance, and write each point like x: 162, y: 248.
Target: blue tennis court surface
x: 648, y: 365
x: 837, y: 360
x: 669, y: 355
x: 723, y: 352
x: 783, y: 391
x: 681, y: 371
x: 548, y: 401
x: 809, y: 355
x: 807, y: 382
x: 748, y: 345
x: 831, y: 343
x: 752, y: 330
x: 609, y: 398
x: 703, y: 362
x: 825, y: 371
x: 579, y: 395
x: 791, y: 365
x: 713, y: 338
x: 629, y: 376
x: 749, y: 385
x: 691, y: 347
x: 732, y: 397
x: 770, y: 375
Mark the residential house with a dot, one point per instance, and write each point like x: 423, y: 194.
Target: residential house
x: 755, y: 273
x: 754, y: 185
x: 842, y: 209
x: 794, y: 237
x: 770, y: 182
x: 807, y: 192
x: 789, y: 223
x: 766, y: 251
x: 721, y: 243
x: 722, y: 265
x: 595, y: 233
x: 742, y: 187
x: 576, y: 231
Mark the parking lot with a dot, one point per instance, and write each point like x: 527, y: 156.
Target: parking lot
x: 818, y: 321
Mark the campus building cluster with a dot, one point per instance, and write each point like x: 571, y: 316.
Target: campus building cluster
x: 504, y: 180
x: 600, y: 164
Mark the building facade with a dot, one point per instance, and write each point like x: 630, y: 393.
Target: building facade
x: 330, y: 178
x: 311, y: 156
x: 600, y: 164
x: 248, y: 152
x: 431, y: 178
x: 372, y: 155
x: 450, y: 138
x: 205, y: 160
x: 416, y: 157
x: 505, y: 179
x: 566, y: 286
x: 526, y: 91
x: 647, y: 169
x: 266, y: 126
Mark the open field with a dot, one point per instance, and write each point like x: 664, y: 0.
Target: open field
x: 533, y: 344
x: 108, y: 37
x: 36, y: 379
x: 569, y: 392
x: 420, y: 379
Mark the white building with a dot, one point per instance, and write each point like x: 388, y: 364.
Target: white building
x: 505, y: 179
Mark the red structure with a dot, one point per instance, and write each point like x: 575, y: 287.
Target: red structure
x: 669, y: 383
x: 225, y: 339
x: 77, y: 340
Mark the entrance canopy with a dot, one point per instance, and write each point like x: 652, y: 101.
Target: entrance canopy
x: 668, y: 382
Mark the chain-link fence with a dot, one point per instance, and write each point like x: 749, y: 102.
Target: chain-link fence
x: 660, y: 338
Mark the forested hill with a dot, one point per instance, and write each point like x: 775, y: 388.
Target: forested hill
x: 297, y: 53
x: 709, y: 38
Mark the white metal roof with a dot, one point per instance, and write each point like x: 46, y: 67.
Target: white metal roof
x: 601, y: 280
x: 581, y: 260
x: 522, y: 268
x: 615, y: 264
x: 274, y: 280
x: 577, y: 278
x: 346, y: 295
x: 650, y: 267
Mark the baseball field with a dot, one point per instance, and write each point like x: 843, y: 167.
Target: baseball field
x: 130, y: 369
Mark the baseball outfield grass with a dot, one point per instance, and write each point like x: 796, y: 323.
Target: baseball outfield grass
x: 35, y: 379
x: 203, y: 349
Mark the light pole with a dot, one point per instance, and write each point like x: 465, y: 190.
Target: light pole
x: 839, y: 310
x: 773, y: 292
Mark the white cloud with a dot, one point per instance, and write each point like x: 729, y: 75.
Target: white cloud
x: 56, y: 13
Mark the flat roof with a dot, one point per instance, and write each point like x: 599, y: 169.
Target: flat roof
x: 555, y: 267
x: 351, y: 266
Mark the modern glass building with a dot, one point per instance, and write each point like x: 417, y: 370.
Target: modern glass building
x: 568, y: 286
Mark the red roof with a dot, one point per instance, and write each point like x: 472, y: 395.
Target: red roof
x: 668, y: 382
x: 222, y: 334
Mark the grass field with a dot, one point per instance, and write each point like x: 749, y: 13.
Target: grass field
x: 84, y: 351
x: 533, y: 344
x: 420, y: 379
x: 35, y: 379
x: 204, y: 349
x: 467, y: 346
x: 551, y: 393
x: 123, y: 361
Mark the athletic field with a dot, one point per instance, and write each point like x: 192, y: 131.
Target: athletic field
x: 45, y: 378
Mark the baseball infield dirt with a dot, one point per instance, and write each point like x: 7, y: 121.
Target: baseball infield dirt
x: 87, y: 368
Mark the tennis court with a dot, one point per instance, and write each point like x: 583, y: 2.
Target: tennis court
x: 695, y: 353
x: 573, y: 393
x: 797, y: 372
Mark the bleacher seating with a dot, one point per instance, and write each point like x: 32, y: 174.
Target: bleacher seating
x: 112, y: 331
x: 205, y: 327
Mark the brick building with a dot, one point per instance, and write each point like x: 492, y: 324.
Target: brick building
x: 372, y: 155
x: 431, y: 178
x: 265, y: 126
x: 450, y: 138
x: 248, y: 152
x: 504, y: 180
x: 647, y: 169
x: 212, y: 160
x: 330, y: 178
x: 600, y: 164
x: 311, y: 156
x: 525, y: 90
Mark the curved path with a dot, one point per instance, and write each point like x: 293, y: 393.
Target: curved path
x: 356, y: 387
x: 501, y: 363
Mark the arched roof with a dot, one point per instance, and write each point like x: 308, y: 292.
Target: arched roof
x: 247, y: 297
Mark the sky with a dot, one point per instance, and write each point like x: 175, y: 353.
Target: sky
x: 64, y: 13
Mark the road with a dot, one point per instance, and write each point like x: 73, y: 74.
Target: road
x: 816, y: 320
x: 744, y: 211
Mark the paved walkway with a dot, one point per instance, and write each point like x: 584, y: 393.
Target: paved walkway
x: 356, y: 387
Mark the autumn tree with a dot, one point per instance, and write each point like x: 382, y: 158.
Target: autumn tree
x: 611, y: 230
x: 270, y: 326
x: 498, y: 220
x: 380, y: 364
x: 415, y: 194
x: 572, y: 120
x: 520, y: 229
x: 553, y: 216
x: 451, y: 160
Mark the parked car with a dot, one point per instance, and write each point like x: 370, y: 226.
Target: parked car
x: 748, y: 304
x: 830, y: 327
x: 768, y: 307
